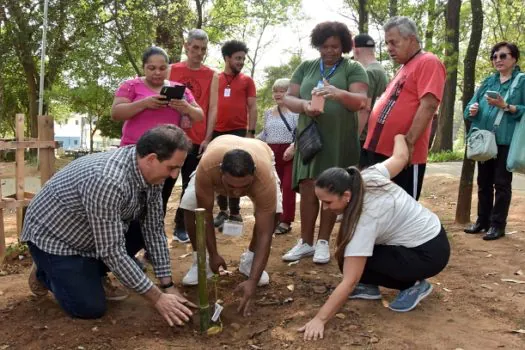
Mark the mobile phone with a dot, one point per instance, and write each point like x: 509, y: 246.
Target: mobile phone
x: 492, y: 94
x: 173, y: 92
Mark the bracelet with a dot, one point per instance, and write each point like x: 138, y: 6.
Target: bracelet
x: 166, y: 286
x: 251, y: 131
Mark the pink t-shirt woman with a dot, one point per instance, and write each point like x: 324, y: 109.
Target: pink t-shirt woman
x: 136, y: 89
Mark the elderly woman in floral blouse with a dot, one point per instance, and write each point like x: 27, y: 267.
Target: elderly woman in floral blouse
x: 279, y: 133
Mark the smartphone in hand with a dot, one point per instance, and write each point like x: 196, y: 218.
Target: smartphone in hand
x: 492, y: 94
x: 173, y: 92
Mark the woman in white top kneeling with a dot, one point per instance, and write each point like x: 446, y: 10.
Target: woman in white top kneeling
x: 386, y: 237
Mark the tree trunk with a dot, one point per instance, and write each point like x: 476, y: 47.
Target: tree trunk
x: 198, y: 5
x: 429, y: 33
x: 443, y: 141
x: 469, y: 77
x: 392, y: 7
x: 363, y: 16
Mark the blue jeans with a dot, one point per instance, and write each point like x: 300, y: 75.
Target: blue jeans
x: 76, y: 281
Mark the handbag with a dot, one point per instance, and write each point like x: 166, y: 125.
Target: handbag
x: 309, y: 142
x: 481, y: 144
x: 286, y: 123
x: 516, y: 157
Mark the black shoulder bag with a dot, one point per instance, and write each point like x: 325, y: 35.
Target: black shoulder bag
x: 309, y: 142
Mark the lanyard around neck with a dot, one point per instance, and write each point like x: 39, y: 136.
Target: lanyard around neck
x: 411, y: 57
x: 331, y: 72
x: 228, y: 81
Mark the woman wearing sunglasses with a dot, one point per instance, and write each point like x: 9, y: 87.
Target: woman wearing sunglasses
x: 493, y: 96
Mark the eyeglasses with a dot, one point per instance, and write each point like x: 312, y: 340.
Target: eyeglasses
x: 502, y: 56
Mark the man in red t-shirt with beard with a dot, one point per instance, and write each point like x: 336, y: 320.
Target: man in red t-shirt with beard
x: 203, y: 83
x: 236, y: 114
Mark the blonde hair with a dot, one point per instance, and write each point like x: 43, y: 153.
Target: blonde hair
x: 282, y: 83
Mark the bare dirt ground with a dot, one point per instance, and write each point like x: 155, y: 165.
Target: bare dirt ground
x: 470, y: 308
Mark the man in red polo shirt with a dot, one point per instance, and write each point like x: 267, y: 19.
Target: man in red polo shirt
x: 408, y: 103
x: 236, y: 113
x: 203, y: 83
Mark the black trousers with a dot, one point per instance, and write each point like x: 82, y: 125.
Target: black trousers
x: 494, y: 190
x: 190, y: 165
x: 400, y: 268
x: 410, y: 179
x: 224, y: 202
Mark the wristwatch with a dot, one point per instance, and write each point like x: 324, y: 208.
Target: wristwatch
x: 166, y: 286
x: 251, y: 131
x: 507, y: 108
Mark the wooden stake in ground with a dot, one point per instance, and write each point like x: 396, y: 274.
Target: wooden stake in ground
x: 19, y: 171
x: 204, y: 305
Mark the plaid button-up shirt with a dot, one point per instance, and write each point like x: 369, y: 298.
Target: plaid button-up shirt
x: 86, y: 208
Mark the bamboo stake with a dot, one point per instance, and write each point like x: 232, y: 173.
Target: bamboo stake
x: 19, y: 171
x: 2, y: 232
x: 204, y: 306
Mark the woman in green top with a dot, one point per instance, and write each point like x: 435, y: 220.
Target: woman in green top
x: 494, y: 181
x: 343, y: 84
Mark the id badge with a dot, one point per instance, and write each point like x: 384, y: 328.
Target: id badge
x: 232, y: 228
x: 227, y: 92
x: 320, y: 84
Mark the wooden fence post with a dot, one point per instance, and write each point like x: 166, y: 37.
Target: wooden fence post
x: 47, y: 155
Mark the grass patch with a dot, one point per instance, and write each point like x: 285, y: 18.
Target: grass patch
x: 445, y: 156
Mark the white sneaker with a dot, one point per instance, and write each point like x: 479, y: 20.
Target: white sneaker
x: 322, y: 252
x: 192, y: 277
x: 245, y: 267
x: 299, y: 251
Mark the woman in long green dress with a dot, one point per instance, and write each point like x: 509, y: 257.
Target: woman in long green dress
x: 343, y: 84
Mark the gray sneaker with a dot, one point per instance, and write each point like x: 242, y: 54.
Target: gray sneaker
x: 408, y: 299
x: 365, y: 291
x: 220, y: 218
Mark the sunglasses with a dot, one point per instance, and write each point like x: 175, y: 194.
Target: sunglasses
x: 502, y: 56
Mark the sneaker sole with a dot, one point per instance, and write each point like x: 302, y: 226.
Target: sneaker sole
x: 419, y: 298
x: 117, y: 298
x: 365, y: 297
x: 298, y: 258
x: 319, y: 261
x: 175, y: 238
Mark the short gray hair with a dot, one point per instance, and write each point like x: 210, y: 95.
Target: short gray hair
x: 197, y: 34
x: 405, y: 25
x: 283, y: 83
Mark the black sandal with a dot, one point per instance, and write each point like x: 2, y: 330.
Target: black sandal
x: 281, y: 229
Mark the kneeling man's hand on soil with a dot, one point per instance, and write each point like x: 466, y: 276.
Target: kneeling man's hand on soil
x: 216, y: 261
x: 173, y: 308
x: 247, y: 288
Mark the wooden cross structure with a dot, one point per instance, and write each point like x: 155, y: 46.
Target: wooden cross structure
x: 46, y: 145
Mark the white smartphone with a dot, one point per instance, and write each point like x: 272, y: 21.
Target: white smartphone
x: 492, y: 94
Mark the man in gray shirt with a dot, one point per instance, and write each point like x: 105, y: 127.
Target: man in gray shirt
x: 94, y: 215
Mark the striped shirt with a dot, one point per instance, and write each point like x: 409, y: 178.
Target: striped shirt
x: 86, y: 208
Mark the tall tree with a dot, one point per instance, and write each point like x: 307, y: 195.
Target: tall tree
x: 429, y: 33
x: 443, y: 140
x: 67, y: 21
x: 469, y: 78
x: 363, y: 16
x: 263, y: 15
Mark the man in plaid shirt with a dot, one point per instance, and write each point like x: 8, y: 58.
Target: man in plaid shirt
x: 94, y: 215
